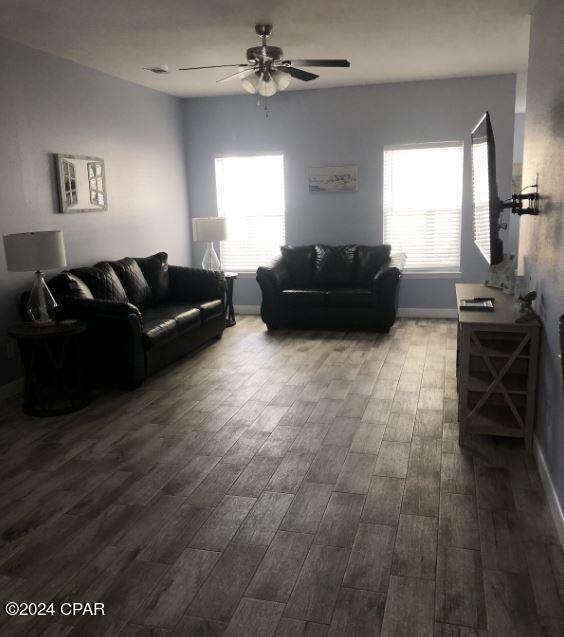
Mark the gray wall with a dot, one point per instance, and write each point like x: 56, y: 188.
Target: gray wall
x: 349, y: 125
x: 49, y: 105
x: 542, y: 238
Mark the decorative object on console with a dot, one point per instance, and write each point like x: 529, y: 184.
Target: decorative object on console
x: 333, y: 179
x: 81, y: 183
x: 36, y: 252
x: 502, y: 275
x: 526, y: 307
x: 209, y: 229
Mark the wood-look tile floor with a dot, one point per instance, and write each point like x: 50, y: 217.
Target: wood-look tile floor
x: 286, y: 483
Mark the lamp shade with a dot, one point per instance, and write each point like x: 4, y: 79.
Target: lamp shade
x: 209, y: 229
x: 30, y: 251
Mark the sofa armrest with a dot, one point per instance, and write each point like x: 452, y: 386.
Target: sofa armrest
x: 390, y: 272
x: 386, y: 287
x: 113, y: 340
x: 195, y: 284
x: 275, y: 278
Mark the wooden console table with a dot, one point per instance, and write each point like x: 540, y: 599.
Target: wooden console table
x: 497, y: 364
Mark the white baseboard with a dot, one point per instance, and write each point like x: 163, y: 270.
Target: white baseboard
x: 552, y: 496
x: 405, y: 312
x: 247, y: 309
x: 11, y: 389
x: 427, y: 312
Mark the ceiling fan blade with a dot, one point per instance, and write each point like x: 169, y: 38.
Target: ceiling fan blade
x: 334, y: 63
x: 215, y: 66
x: 234, y: 75
x: 305, y: 76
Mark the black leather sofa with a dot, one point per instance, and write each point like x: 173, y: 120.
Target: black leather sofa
x: 331, y: 286
x: 142, y: 314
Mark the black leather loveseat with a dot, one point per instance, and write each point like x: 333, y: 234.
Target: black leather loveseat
x: 141, y: 313
x: 331, y: 286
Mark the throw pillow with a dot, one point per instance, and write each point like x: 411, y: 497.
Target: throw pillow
x: 155, y: 271
x: 334, y: 265
x: 102, y: 282
x: 369, y: 259
x: 134, y: 283
x: 66, y: 285
x: 299, y: 261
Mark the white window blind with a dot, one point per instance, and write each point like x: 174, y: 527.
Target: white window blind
x: 422, y: 204
x: 250, y: 195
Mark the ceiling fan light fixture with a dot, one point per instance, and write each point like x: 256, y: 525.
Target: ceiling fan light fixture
x: 251, y: 82
x: 267, y: 87
x: 281, y: 79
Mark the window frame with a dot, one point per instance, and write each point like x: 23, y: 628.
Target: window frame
x: 245, y: 272
x: 425, y: 272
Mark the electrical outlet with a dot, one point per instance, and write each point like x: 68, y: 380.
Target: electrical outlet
x: 10, y: 349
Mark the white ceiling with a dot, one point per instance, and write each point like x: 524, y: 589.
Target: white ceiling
x: 384, y: 40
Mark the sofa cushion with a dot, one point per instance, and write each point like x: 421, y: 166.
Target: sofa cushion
x: 299, y: 261
x: 350, y: 297
x: 209, y: 309
x: 334, y: 265
x: 303, y: 298
x: 134, y: 283
x: 155, y: 271
x: 67, y: 285
x: 369, y: 259
x: 158, y: 330
x: 103, y: 282
x: 186, y: 316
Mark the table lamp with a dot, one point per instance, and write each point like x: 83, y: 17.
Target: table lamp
x: 35, y: 252
x: 209, y: 229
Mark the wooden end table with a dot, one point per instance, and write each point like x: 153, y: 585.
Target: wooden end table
x: 53, y: 368
x: 230, y: 310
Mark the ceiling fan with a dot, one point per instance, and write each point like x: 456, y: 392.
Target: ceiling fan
x: 266, y: 72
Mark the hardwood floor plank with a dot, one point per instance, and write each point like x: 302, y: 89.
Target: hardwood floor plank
x: 458, y: 521
x: 356, y: 473
x: 279, y: 570
x: 255, y: 477
x: 264, y: 518
x: 415, y: 551
x: 409, y: 603
x: 510, y: 605
x: 317, y: 588
x: 327, y: 465
x: 254, y: 617
x: 177, y: 588
x: 460, y: 590
x: 357, y: 613
x: 290, y: 473
x: 218, y: 529
x: 220, y: 594
x: 371, y: 558
x: 307, y: 508
x: 340, y: 520
x: 383, y: 501
x: 392, y: 460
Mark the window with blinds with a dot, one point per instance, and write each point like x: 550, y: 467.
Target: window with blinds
x: 423, y: 203
x: 250, y: 195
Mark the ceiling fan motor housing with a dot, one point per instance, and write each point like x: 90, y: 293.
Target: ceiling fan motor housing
x: 259, y: 54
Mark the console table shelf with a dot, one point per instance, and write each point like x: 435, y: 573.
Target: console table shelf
x: 497, y: 361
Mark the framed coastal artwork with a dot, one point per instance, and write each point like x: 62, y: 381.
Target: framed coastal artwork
x: 333, y: 178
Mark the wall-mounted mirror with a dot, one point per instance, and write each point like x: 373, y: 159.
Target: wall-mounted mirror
x: 82, y: 183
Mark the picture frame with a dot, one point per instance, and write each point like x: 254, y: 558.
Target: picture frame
x: 81, y: 183
x: 333, y: 179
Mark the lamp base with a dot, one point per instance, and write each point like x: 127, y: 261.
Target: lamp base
x: 211, y: 260
x: 41, y: 305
